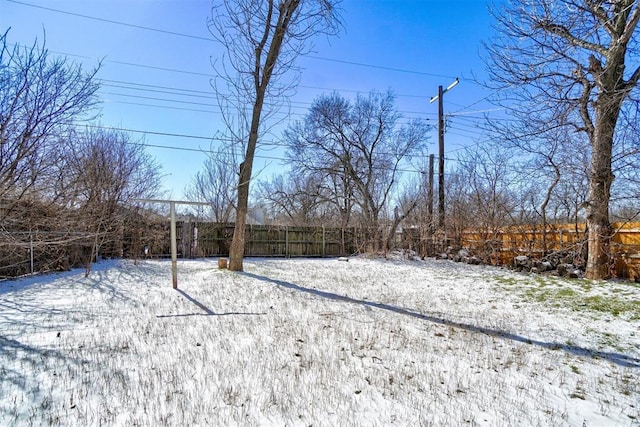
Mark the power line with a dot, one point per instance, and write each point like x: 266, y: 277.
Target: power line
x: 210, y: 76
x: 177, y: 101
x: 140, y: 104
x: 211, y: 39
x: 156, y: 86
x: 174, y: 33
x: 110, y: 21
x: 301, y: 104
x: 379, y: 67
x: 257, y: 156
x: 283, y: 115
x: 149, y: 132
x: 196, y: 73
x: 212, y: 138
x: 487, y: 110
x: 205, y: 95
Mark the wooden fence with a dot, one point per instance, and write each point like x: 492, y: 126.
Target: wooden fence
x: 501, y: 245
x: 495, y: 246
x: 205, y: 239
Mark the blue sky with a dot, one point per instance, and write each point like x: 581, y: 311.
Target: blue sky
x: 158, y: 82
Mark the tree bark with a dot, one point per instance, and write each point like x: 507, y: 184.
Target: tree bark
x: 236, y: 252
x: 613, y: 90
x: 599, y: 227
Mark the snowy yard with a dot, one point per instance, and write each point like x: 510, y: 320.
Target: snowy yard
x: 318, y: 342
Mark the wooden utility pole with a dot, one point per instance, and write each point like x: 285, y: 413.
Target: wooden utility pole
x: 439, y: 97
x: 429, y: 248
x: 440, y: 160
x: 430, y: 194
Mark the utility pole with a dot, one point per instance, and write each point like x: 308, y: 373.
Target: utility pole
x: 429, y: 248
x: 439, y: 97
x: 430, y: 195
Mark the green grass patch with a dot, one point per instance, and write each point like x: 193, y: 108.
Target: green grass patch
x: 613, y: 305
x: 577, y: 295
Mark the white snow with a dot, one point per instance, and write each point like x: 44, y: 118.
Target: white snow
x: 322, y: 342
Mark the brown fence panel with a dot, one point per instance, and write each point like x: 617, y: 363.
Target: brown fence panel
x: 263, y: 240
x: 500, y: 246
x: 626, y: 246
x: 205, y: 239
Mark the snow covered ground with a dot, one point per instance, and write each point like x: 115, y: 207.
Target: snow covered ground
x: 318, y: 342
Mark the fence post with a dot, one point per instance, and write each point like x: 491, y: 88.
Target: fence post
x: 286, y: 241
x: 31, y: 251
x: 324, y: 251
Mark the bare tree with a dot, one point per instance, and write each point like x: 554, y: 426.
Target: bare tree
x: 299, y: 199
x: 482, y: 193
x: 407, y: 202
x: 216, y: 184
x: 564, y: 62
x: 547, y: 157
x: 262, y: 39
x: 359, y: 147
x: 104, y: 171
x: 625, y: 191
x: 40, y: 99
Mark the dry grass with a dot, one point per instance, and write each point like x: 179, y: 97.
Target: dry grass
x: 300, y: 342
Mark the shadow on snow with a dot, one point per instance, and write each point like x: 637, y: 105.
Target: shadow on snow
x: 207, y: 310
x: 617, y: 358
x: 29, y: 359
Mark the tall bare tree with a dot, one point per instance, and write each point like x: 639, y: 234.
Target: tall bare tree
x: 483, y: 193
x: 565, y: 61
x: 359, y: 145
x: 262, y: 39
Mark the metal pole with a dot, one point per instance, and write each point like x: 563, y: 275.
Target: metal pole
x: 174, y: 246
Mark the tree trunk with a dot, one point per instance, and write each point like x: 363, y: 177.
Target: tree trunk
x: 236, y: 252
x: 599, y: 235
